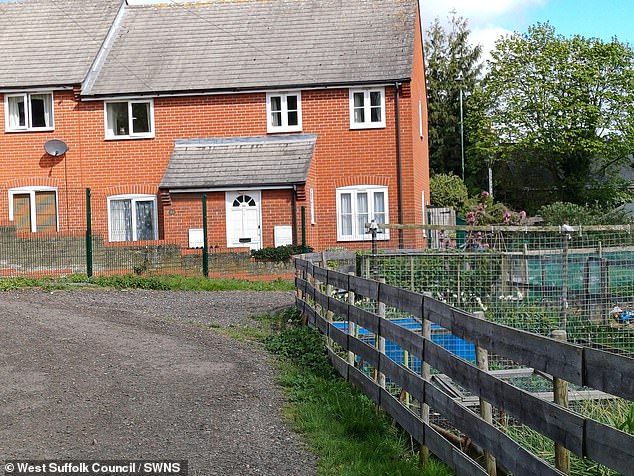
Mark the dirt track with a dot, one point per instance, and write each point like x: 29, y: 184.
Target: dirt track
x: 126, y: 375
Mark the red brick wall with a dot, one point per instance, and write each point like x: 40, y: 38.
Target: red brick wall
x: 109, y: 167
x: 416, y: 163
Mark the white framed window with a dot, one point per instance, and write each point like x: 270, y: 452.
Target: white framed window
x: 33, y: 209
x: 132, y: 218
x: 357, y: 206
x: 284, y: 111
x: 367, y: 108
x: 28, y: 112
x: 129, y: 119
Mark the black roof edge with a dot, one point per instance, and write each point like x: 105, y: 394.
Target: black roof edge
x: 229, y: 186
x: 246, y: 89
x: 65, y: 86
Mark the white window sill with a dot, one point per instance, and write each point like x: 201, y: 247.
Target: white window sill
x: 147, y: 136
x: 33, y: 129
x: 278, y: 130
x: 371, y: 125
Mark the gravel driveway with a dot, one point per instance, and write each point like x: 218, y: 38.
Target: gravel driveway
x: 88, y: 374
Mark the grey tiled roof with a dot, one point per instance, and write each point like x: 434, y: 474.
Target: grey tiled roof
x: 239, y: 162
x: 51, y: 42
x: 242, y: 44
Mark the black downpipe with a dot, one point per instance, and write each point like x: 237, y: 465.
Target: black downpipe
x: 399, y: 178
x: 294, y: 212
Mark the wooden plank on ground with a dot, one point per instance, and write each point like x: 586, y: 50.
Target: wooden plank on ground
x: 548, y: 355
x: 402, y: 299
x: 339, y: 364
x: 368, y: 353
x: 363, y: 318
x: 609, y: 446
x: 506, y: 451
x: 338, y: 280
x: 364, y: 287
x: 553, y: 421
x: 459, y: 462
x: 405, y: 338
x: 609, y: 373
x: 364, y: 383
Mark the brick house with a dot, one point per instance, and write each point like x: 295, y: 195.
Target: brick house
x: 273, y: 110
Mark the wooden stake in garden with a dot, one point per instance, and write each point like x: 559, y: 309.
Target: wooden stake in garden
x: 486, y: 411
x: 560, y: 389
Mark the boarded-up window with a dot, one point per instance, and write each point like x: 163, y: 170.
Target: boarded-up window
x: 35, y: 210
x: 22, y: 211
x: 46, y: 211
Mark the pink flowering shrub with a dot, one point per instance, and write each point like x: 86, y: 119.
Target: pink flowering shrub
x: 482, y: 210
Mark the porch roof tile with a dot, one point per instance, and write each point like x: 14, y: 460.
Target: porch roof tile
x: 271, y: 161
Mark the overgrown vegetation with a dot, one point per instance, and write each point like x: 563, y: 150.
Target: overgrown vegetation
x: 341, y: 424
x: 279, y: 253
x: 559, y: 213
x: 158, y: 283
x: 617, y: 413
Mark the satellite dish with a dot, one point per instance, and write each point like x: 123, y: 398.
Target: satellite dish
x: 55, y: 147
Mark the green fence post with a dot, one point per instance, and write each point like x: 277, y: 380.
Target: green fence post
x: 303, y: 229
x: 88, y: 235
x: 205, y: 240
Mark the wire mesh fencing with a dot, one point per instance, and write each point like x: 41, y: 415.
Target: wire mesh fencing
x: 525, y: 285
x: 580, y: 280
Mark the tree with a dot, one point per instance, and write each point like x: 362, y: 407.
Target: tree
x: 448, y: 55
x: 556, y: 111
x: 447, y: 190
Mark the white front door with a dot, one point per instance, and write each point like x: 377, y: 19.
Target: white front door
x: 243, y: 220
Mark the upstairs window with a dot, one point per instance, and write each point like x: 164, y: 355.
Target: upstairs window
x: 28, y: 112
x: 284, y: 112
x: 367, y: 108
x: 357, y: 206
x: 132, y: 218
x: 129, y: 119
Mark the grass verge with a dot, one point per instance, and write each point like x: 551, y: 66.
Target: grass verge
x: 341, y: 425
x: 162, y: 283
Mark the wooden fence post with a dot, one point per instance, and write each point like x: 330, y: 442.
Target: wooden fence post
x: 300, y: 294
x: 486, y: 411
x: 425, y: 370
x: 560, y: 390
x: 318, y: 288
x: 351, y: 325
x: 379, y: 377
x: 329, y: 314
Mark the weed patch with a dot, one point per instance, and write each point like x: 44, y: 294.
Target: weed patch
x: 340, y: 423
x: 157, y: 283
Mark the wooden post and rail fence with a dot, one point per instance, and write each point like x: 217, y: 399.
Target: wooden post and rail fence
x: 565, y: 362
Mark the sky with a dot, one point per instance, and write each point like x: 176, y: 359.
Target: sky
x: 488, y: 19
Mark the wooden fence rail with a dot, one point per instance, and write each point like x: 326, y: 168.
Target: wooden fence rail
x: 582, y: 366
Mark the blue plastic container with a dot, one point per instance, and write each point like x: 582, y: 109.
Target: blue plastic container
x: 440, y: 336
